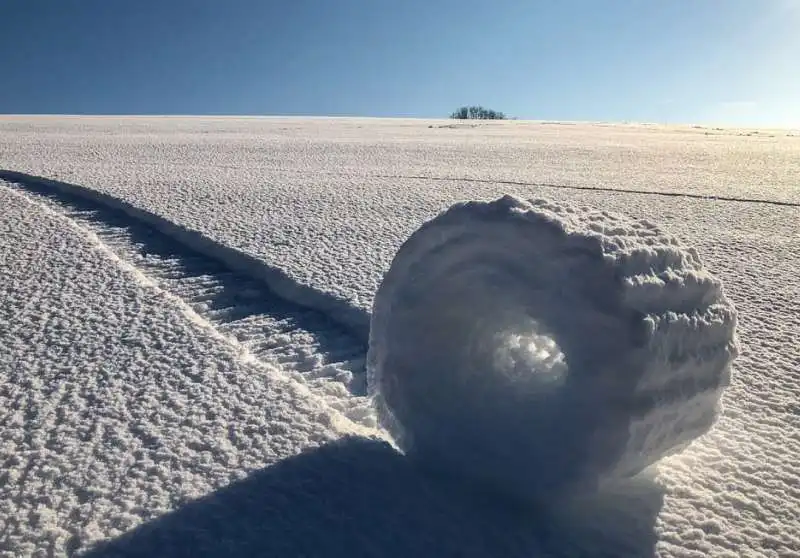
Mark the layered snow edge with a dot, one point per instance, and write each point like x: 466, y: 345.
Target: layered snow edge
x: 540, y: 348
x: 278, y: 281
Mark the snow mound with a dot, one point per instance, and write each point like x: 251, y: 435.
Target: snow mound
x: 537, y: 348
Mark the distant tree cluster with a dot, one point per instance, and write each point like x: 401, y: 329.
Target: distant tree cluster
x: 477, y: 113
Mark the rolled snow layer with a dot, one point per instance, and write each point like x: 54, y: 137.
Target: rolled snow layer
x: 540, y: 348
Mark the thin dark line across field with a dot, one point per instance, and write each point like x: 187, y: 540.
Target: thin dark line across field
x: 706, y: 197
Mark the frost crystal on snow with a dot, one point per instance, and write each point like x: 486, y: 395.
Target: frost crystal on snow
x: 538, y: 348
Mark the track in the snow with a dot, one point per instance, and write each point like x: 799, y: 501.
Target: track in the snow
x: 689, y: 195
x: 273, y: 330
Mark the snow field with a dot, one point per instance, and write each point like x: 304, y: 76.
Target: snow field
x: 326, y: 203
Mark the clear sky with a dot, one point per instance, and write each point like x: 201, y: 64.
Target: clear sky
x: 710, y: 61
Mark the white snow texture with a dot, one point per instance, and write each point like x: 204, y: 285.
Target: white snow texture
x: 184, y: 323
x: 118, y: 401
x: 539, y: 348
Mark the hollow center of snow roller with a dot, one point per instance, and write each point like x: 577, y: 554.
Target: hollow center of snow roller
x: 529, y: 356
x: 481, y: 373
x: 476, y: 339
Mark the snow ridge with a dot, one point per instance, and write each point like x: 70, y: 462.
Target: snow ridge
x: 298, y: 340
x: 274, y: 278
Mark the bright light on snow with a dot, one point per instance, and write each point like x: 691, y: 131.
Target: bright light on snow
x: 530, y: 356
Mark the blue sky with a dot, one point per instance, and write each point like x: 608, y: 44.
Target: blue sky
x: 707, y: 61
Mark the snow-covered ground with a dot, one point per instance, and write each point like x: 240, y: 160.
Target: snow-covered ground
x: 119, y: 402
x: 316, y: 209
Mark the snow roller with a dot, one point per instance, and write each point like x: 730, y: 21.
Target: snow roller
x: 536, y: 349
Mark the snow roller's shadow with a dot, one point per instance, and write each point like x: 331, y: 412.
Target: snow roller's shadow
x: 359, y: 497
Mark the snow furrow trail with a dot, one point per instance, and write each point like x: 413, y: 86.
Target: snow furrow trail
x: 296, y: 339
x: 277, y: 279
x: 118, y: 403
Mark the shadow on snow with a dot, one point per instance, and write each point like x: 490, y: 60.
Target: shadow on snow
x: 359, y: 497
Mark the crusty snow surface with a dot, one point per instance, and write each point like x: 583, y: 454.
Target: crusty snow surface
x: 142, y: 383
x: 118, y: 401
